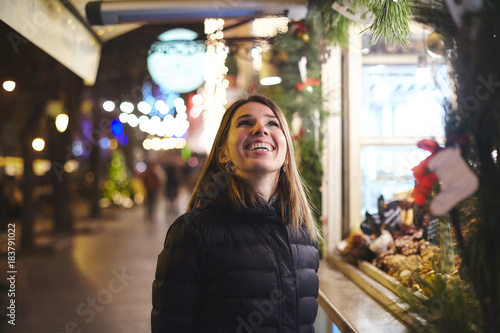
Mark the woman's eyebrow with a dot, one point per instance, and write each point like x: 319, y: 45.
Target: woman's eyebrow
x: 250, y: 116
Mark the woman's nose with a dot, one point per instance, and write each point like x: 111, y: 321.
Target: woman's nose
x: 260, y: 128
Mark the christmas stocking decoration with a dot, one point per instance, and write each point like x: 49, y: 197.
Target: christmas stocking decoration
x: 458, y: 180
x: 362, y: 16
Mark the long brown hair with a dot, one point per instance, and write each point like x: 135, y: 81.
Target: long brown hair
x: 294, y: 202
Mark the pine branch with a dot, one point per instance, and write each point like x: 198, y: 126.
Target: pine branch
x: 391, y: 21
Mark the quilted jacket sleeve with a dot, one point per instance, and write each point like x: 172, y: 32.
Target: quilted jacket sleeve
x: 178, y: 285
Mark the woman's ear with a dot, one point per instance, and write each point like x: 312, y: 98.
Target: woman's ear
x: 222, y: 156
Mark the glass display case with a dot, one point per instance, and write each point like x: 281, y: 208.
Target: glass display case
x: 401, y: 104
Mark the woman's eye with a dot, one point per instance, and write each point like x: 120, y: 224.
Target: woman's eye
x: 273, y: 123
x: 244, y: 123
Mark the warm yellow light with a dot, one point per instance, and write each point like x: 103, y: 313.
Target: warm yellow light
x: 269, y: 26
x: 104, y: 202
x: 146, y: 144
x: 127, y: 203
x: 62, y: 121
x: 41, y: 167
x: 38, y: 144
x: 9, y: 85
x: 113, y: 144
x: 180, y: 143
x: 139, y: 198
x: 156, y: 143
x: 71, y: 166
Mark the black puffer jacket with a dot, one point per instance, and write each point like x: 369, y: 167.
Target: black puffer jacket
x: 227, y: 271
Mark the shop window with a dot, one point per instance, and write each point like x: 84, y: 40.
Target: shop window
x: 401, y: 104
x: 386, y: 170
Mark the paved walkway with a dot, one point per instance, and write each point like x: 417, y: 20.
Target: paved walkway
x: 99, y: 283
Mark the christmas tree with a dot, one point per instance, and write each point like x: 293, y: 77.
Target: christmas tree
x: 117, y: 187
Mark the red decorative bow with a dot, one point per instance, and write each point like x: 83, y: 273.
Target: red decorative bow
x: 424, y: 177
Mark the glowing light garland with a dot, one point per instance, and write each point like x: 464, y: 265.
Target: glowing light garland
x: 214, y: 94
x: 162, y: 114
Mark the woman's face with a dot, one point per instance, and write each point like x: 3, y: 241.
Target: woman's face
x: 255, y: 145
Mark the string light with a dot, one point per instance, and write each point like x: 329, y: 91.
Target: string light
x: 214, y: 95
x: 162, y: 113
x: 269, y: 26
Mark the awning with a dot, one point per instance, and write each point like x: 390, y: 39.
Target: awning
x: 56, y: 30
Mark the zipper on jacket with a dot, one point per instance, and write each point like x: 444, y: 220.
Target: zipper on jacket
x: 294, y: 273
x: 280, y: 288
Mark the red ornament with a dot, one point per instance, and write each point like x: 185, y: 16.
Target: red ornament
x: 310, y: 82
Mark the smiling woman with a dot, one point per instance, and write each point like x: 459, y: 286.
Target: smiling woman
x: 256, y: 147
x: 244, y: 257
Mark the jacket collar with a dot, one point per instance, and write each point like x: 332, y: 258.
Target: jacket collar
x: 264, y: 210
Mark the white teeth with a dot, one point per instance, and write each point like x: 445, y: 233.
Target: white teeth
x: 261, y: 146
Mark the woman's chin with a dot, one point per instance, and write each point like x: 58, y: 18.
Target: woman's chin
x: 262, y: 170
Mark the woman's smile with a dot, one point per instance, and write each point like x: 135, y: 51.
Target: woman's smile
x: 260, y: 147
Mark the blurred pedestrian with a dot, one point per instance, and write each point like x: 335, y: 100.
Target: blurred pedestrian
x: 172, y: 187
x: 244, y: 257
x: 151, y: 180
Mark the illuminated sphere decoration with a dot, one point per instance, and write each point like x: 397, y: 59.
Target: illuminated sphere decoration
x: 435, y: 45
x: 176, y: 61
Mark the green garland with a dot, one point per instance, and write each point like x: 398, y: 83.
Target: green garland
x: 310, y: 38
x: 391, y: 20
x: 303, y: 99
x: 327, y: 24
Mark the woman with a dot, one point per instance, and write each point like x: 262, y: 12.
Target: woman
x: 244, y: 256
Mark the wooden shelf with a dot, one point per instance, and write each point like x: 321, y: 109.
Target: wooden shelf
x: 361, y: 299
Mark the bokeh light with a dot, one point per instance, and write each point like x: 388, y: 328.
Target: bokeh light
x: 9, y: 85
x: 71, y: 166
x: 132, y: 120
x: 124, y: 117
x: 104, y: 203
x: 156, y: 144
x: 89, y: 176
x: 193, y: 161
x: 127, y: 203
x: 116, y: 127
x: 197, y: 99
x: 140, y: 167
x: 104, y: 143
x: 144, y: 107
x: 127, y: 107
x: 113, y: 144
x: 146, y: 144
x: 62, y: 121
x: 139, y: 199
x: 108, y: 106
x: 38, y: 144
x: 77, y: 148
